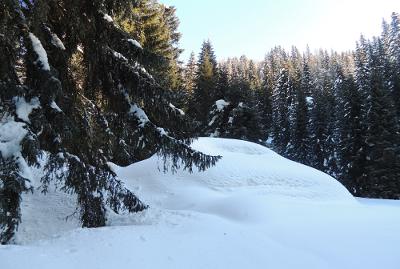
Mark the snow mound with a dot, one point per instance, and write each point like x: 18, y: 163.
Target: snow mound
x: 244, y: 168
x: 254, y: 209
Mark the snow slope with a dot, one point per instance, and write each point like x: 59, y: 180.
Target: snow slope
x: 255, y: 209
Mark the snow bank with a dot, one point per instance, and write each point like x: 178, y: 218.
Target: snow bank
x: 244, y: 165
x: 255, y: 209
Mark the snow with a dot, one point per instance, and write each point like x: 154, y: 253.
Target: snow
x: 162, y: 131
x: 212, y: 120
x: 140, y: 115
x: 108, y: 18
x: 11, y: 135
x: 119, y: 56
x: 255, y: 209
x: 309, y: 100
x: 24, y: 109
x: 135, y: 43
x: 56, y: 41
x: 180, y: 111
x: 221, y: 104
x: 40, y: 52
x: 54, y: 106
x: 80, y: 48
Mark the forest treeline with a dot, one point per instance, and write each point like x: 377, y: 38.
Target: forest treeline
x: 85, y: 83
x: 336, y: 112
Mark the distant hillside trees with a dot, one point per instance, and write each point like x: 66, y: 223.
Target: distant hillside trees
x: 336, y: 112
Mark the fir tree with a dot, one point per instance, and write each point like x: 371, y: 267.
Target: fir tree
x: 394, y: 58
x: 382, y: 171
x: 280, y: 111
x: 107, y: 108
x: 190, y: 74
x: 301, y: 138
x: 351, y: 159
x: 206, y: 79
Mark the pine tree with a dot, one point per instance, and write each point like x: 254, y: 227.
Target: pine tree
x: 264, y: 98
x: 382, y: 171
x: 394, y: 58
x: 301, y: 137
x: 190, y: 74
x: 107, y: 108
x: 350, y: 157
x: 155, y: 27
x: 280, y: 112
x: 206, y: 79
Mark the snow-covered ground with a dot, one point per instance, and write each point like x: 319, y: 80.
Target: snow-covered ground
x: 254, y: 209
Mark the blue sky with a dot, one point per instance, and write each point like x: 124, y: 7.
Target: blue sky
x: 253, y: 27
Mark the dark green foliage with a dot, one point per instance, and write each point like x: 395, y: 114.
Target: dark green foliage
x: 335, y: 112
x: 97, y: 105
x: 205, y: 83
x: 281, y: 105
x: 300, y: 150
x: 350, y: 148
x: 381, y: 178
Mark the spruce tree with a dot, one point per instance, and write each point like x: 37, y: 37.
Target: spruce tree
x: 351, y: 159
x: 280, y: 111
x: 92, y: 102
x: 394, y: 58
x: 381, y: 178
x: 206, y: 79
x: 190, y: 74
x: 301, y: 137
x: 155, y: 27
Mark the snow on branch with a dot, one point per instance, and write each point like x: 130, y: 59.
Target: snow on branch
x: 23, y: 108
x: 56, y: 41
x: 108, y: 18
x: 40, y: 52
x: 135, y: 43
x: 11, y: 135
x: 119, y: 56
x: 139, y: 114
x: 221, y: 104
x: 180, y: 111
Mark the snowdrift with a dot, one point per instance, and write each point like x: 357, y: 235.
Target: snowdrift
x: 244, y: 166
x: 245, y: 186
x: 254, y: 209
